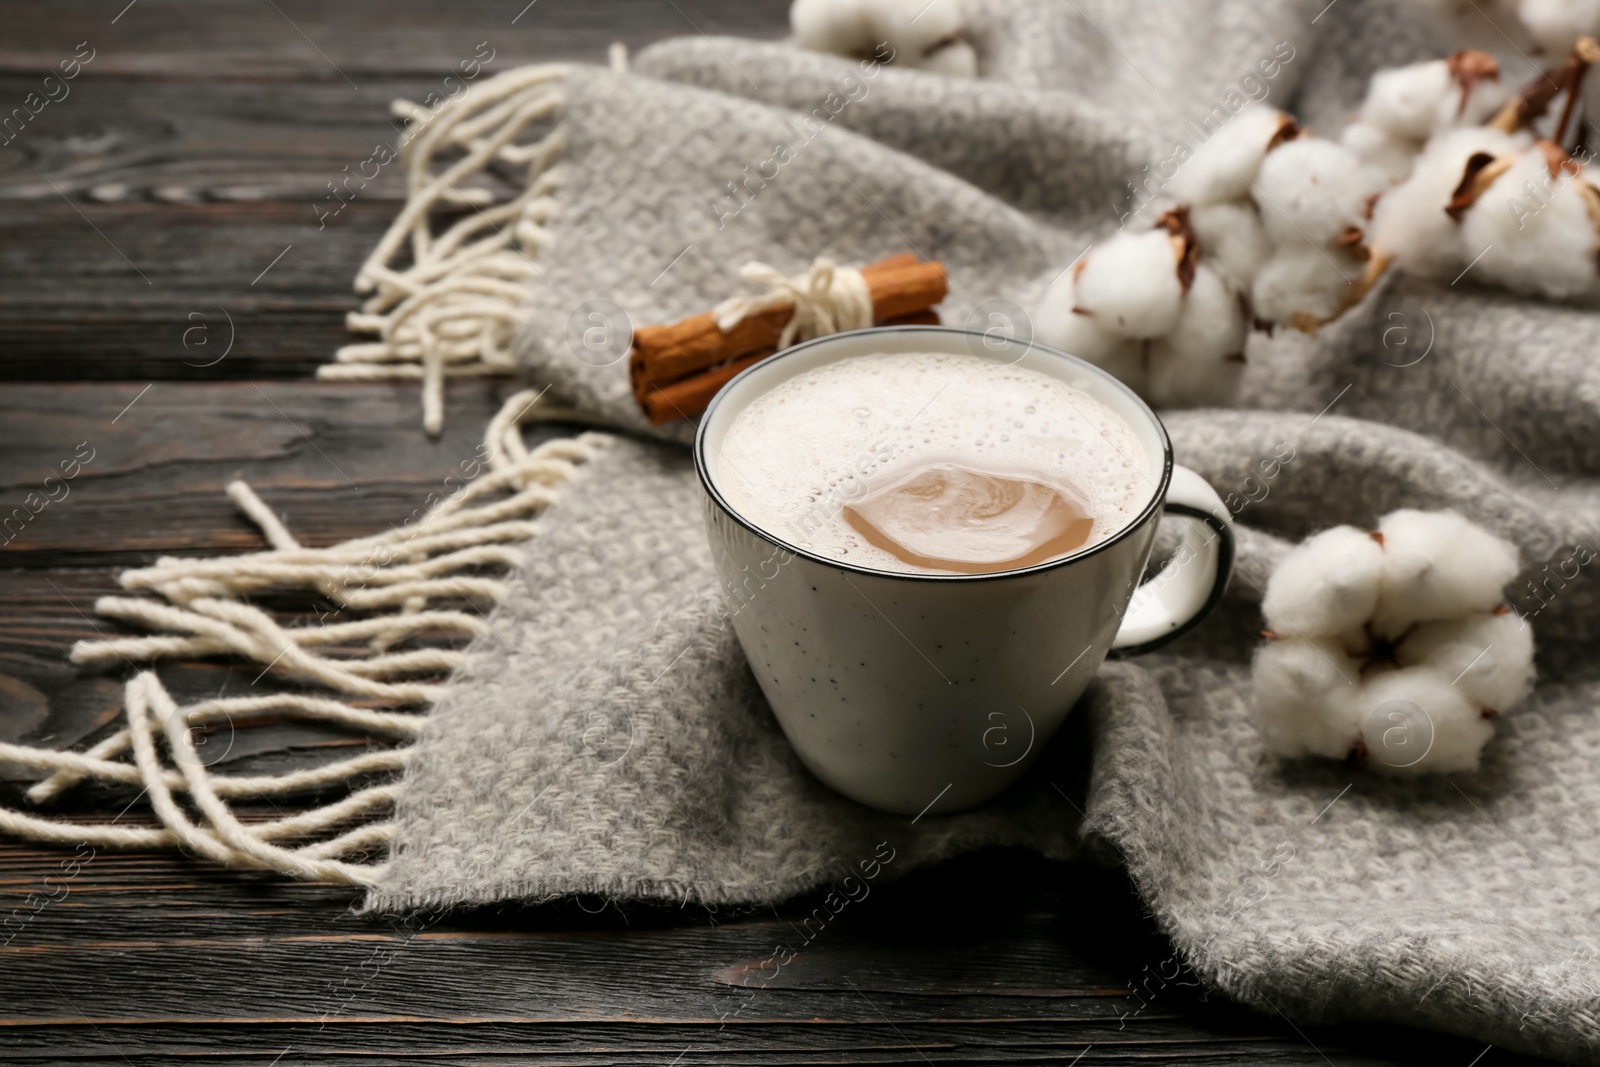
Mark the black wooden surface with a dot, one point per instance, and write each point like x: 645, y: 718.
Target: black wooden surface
x: 146, y: 204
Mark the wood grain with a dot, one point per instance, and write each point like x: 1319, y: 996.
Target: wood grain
x: 314, y: 41
x: 1002, y: 958
x: 335, y: 461
x: 143, y: 291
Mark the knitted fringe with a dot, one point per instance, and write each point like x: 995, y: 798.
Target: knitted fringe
x: 448, y: 304
x: 199, y: 608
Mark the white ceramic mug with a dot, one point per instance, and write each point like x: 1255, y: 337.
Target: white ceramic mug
x: 917, y: 692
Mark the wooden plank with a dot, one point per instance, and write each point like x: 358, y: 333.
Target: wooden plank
x: 148, y: 291
x: 92, y: 291
x: 1031, y: 963
x: 107, y: 140
x: 887, y: 1042
x: 350, y: 43
x: 335, y: 460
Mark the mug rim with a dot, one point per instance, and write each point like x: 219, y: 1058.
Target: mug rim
x: 1152, y: 507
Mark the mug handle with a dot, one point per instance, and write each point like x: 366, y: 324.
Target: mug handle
x: 1183, y: 592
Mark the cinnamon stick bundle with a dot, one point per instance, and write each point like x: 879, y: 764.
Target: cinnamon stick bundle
x: 690, y: 395
x: 677, y: 368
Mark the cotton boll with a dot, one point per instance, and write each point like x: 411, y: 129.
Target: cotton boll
x: 919, y: 30
x: 1300, y: 281
x: 1307, y: 698
x: 1484, y: 98
x: 1223, y: 168
x: 1390, y: 155
x: 1404, y: 101
x: 922, y: 34
x: 955, y: 60
x: 1312, y: 190
x: 1488, y: 657
x: 1437, y: 565
x: 1057, y: 325
x: 837, y: 26
x: 1413, y: 721
x: 1538, y: 232
x: 1357, y: 641
x: 1130, y: 284
x: 1200, y: 362
x: 1211, y: 324
x: 1410, y: 222
x: 1326, y: 585
x: 1557, y: 24
x: 1410, y: 104
x: 1232, y: 240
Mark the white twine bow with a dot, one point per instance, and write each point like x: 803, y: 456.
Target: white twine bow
x: 827, y: 299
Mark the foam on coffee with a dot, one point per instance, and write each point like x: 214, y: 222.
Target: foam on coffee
x: 854, y: 460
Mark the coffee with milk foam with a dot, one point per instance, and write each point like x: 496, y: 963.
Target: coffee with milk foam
x: 924, y: 462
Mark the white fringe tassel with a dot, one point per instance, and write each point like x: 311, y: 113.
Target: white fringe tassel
x: 200, y: 609
x: 448, y: 304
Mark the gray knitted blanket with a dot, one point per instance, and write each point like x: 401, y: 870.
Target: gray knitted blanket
x: 607, y: 737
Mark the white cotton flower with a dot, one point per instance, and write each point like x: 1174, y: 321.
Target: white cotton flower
x: 1392, y: 156
x: 1327, y: 586
x: 1557, y: 24
x: 1357, y: 641
x: 1232, y: 240
x: 1413, y: 721
x: 1200, y: 362
x: 1489, y: 657
x: 1483, y: 99
x: 1312, y: 190
x: 1056, y: 324
x: 1223, y: 168
x: 1537, y: 232
x: 955, y: 60
x: 836, y: 26
x: 915, y: 26
x: 1211, y: 325
x: 1405, y: 101
x: 1437, y: 565
x: 925, y: 34
x: 1413, y: 103
x: 1130, y: 284
x: 1410, y: 222
x: 921, y: 34
x: 1412, y: 610
x: 1307, y: 698
x: 1302, y: 281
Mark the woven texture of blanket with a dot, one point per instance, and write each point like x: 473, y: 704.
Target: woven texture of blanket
x: 608, y: 738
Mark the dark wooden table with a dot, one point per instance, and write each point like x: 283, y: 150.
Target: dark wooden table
x: 166, y: 291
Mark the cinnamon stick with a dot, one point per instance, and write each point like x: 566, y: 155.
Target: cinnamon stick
x: 688, y: 396
x: 899, y: 285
